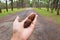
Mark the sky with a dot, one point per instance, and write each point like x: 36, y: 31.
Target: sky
x: 2, y: 1
x: 8, y: 1
x: 30, y: 0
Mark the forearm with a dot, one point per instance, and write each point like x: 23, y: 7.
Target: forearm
x: 17, y: 37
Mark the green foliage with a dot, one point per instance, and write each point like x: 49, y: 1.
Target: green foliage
x: 53, y: 15
x: 2, y: 5
x: 30, y: 4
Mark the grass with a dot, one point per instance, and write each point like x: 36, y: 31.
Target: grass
x: 4, y: 13
x: 44, y: 12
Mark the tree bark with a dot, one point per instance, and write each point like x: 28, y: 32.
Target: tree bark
x: 52, y: 7
x: 6, y: 6
x: 57, y: 6
x: 22, y: 3
x: 48, y: 5
x: 12, y: 5
x: 58, y: 10
x: 0, y: 10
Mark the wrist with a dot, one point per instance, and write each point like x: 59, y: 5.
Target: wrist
x: 23, y: 39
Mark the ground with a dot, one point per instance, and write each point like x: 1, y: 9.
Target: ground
x: 46, y: 28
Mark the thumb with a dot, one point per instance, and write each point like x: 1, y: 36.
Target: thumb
x: 17, y: 18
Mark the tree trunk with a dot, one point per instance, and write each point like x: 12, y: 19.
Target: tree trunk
x: 58, y: 10
x: 6, y: 6
x: 48, y: 5
x: 57, y: 7
x: 12, y: 5
x: 38, y: 3
x: 51, y: 10
x: 19, y: 3
x: 52, y: 7
x: 0, y: 10
x: 48, y: 9
x: 18, y: 6
x: 22, y: 3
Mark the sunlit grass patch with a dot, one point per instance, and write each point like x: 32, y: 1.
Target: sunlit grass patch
x: 44, y: 12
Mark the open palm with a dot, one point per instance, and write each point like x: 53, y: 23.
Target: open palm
x: 21, y: 33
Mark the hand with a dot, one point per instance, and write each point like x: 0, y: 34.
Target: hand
x: 21, y: 33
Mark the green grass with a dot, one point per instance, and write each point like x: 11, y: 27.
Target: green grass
x: 44, y: 12
x: 4, y: 13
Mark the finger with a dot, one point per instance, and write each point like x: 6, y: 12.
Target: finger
x: 31, y: 14
x: 35, y: 20
x: 27, y: 17
x: 17, y: 18
x: 32, y: 26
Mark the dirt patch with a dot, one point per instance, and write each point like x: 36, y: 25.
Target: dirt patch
x: 46, y: 29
